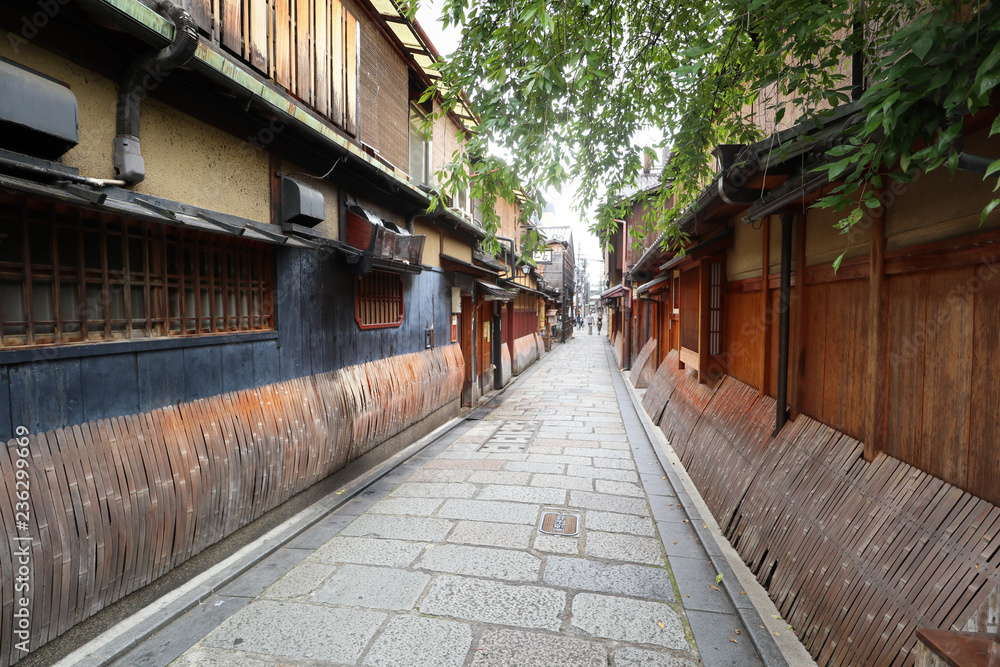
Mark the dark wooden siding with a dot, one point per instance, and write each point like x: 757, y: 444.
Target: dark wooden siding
x: 316, y: 333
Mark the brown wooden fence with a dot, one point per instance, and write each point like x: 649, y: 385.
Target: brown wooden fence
x: 118, y: 502
x: 855, y: 555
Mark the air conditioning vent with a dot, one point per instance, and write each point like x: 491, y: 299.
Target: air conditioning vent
x: 38, y: 115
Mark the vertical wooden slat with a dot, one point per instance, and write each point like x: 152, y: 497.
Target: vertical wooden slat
x: 765, y: 307
x: 905, y: 400
x: 304, y: 56
x: 352, y: 39
x: 282, y: 65
x: 257, y: 30
x: 336, y: 61
x: 232, y: 24
x: 321, y: 46
x: 984, y: 464
x: 878, y: 339
x: 797, y: 366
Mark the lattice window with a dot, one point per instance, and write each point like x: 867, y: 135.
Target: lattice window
x: 70, y: 276
x: 716, y: 284
x: 378, y: 300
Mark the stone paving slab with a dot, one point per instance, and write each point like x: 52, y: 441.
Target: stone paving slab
x: 495, y: 602
x: 372, y: 588
x: 503, y: 564
x: 626, y: 620
x: 514, y: 648
x: 411, y: 640
x: 632, y: 580
x: 489, y: 510
x: 312, y: 632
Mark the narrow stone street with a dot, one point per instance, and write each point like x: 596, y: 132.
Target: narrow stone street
x: 443, y: 562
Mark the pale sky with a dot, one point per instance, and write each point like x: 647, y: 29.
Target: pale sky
x: 446, y: 41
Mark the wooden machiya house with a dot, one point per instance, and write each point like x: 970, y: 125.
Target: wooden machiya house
x: 219, y: 279
x: 557, y: 265
x: 840, y: 424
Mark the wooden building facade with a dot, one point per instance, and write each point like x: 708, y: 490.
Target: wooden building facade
x: 845, y: 413
x: 229, y: 293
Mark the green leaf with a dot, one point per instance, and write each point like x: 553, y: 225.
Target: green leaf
x: 718, y: 577
x: 989, y: 209
x: 995, y: 128
x: 992, y: 169
x: 836, y: 267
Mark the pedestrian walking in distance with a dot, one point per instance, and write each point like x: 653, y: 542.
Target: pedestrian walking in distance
x: 600, y: 321
x: 590, y: 324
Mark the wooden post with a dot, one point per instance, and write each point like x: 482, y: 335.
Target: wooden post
x: 798, y: 321
x: 878, y: 340
x: 765, y: 305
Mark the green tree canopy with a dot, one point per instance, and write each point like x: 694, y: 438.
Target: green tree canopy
x: 563, y: 88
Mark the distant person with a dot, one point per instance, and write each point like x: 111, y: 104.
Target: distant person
x: 600, y: 322
x: 590, y: 324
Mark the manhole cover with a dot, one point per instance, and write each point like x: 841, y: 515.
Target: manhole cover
x: 554, y: 523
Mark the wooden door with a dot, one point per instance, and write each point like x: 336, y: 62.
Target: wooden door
x: 484, y: 326
x: 465, y: 339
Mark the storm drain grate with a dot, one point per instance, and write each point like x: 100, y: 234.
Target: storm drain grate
x: 481, y: 413
x: 556, y: 523
x: 512, y: 436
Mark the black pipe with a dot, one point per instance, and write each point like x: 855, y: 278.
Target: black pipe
x: 143, y: 75
x: 784, y: 308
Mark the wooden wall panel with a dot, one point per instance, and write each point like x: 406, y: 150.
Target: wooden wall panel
x: 948, y: 375
x: 118, y: 502
x: 742, y: 336
x: 984, y: 432
x: 907, y: 323
x: 814, y: 355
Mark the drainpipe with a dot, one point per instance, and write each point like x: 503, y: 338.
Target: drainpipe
x: 143, y: 75
x: 510, y: 275
x: 785, y: 301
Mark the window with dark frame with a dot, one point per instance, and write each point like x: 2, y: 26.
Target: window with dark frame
x: 69, y: 276
x: 378, y: 300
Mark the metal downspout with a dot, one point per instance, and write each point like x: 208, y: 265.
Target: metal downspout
x: 144, y: 74
x: 785, y: 306
x: 509, y: 240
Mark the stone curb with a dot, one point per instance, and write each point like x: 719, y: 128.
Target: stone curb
x: 769, y: 651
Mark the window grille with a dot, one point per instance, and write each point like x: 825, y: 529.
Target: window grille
x: 69, y: 275
x: 378, y: 300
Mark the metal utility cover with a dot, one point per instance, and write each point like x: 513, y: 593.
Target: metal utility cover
x: 555, y: 523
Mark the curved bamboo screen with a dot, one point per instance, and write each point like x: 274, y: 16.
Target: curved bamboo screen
x: 855, y: 555
x: 118, y: 502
